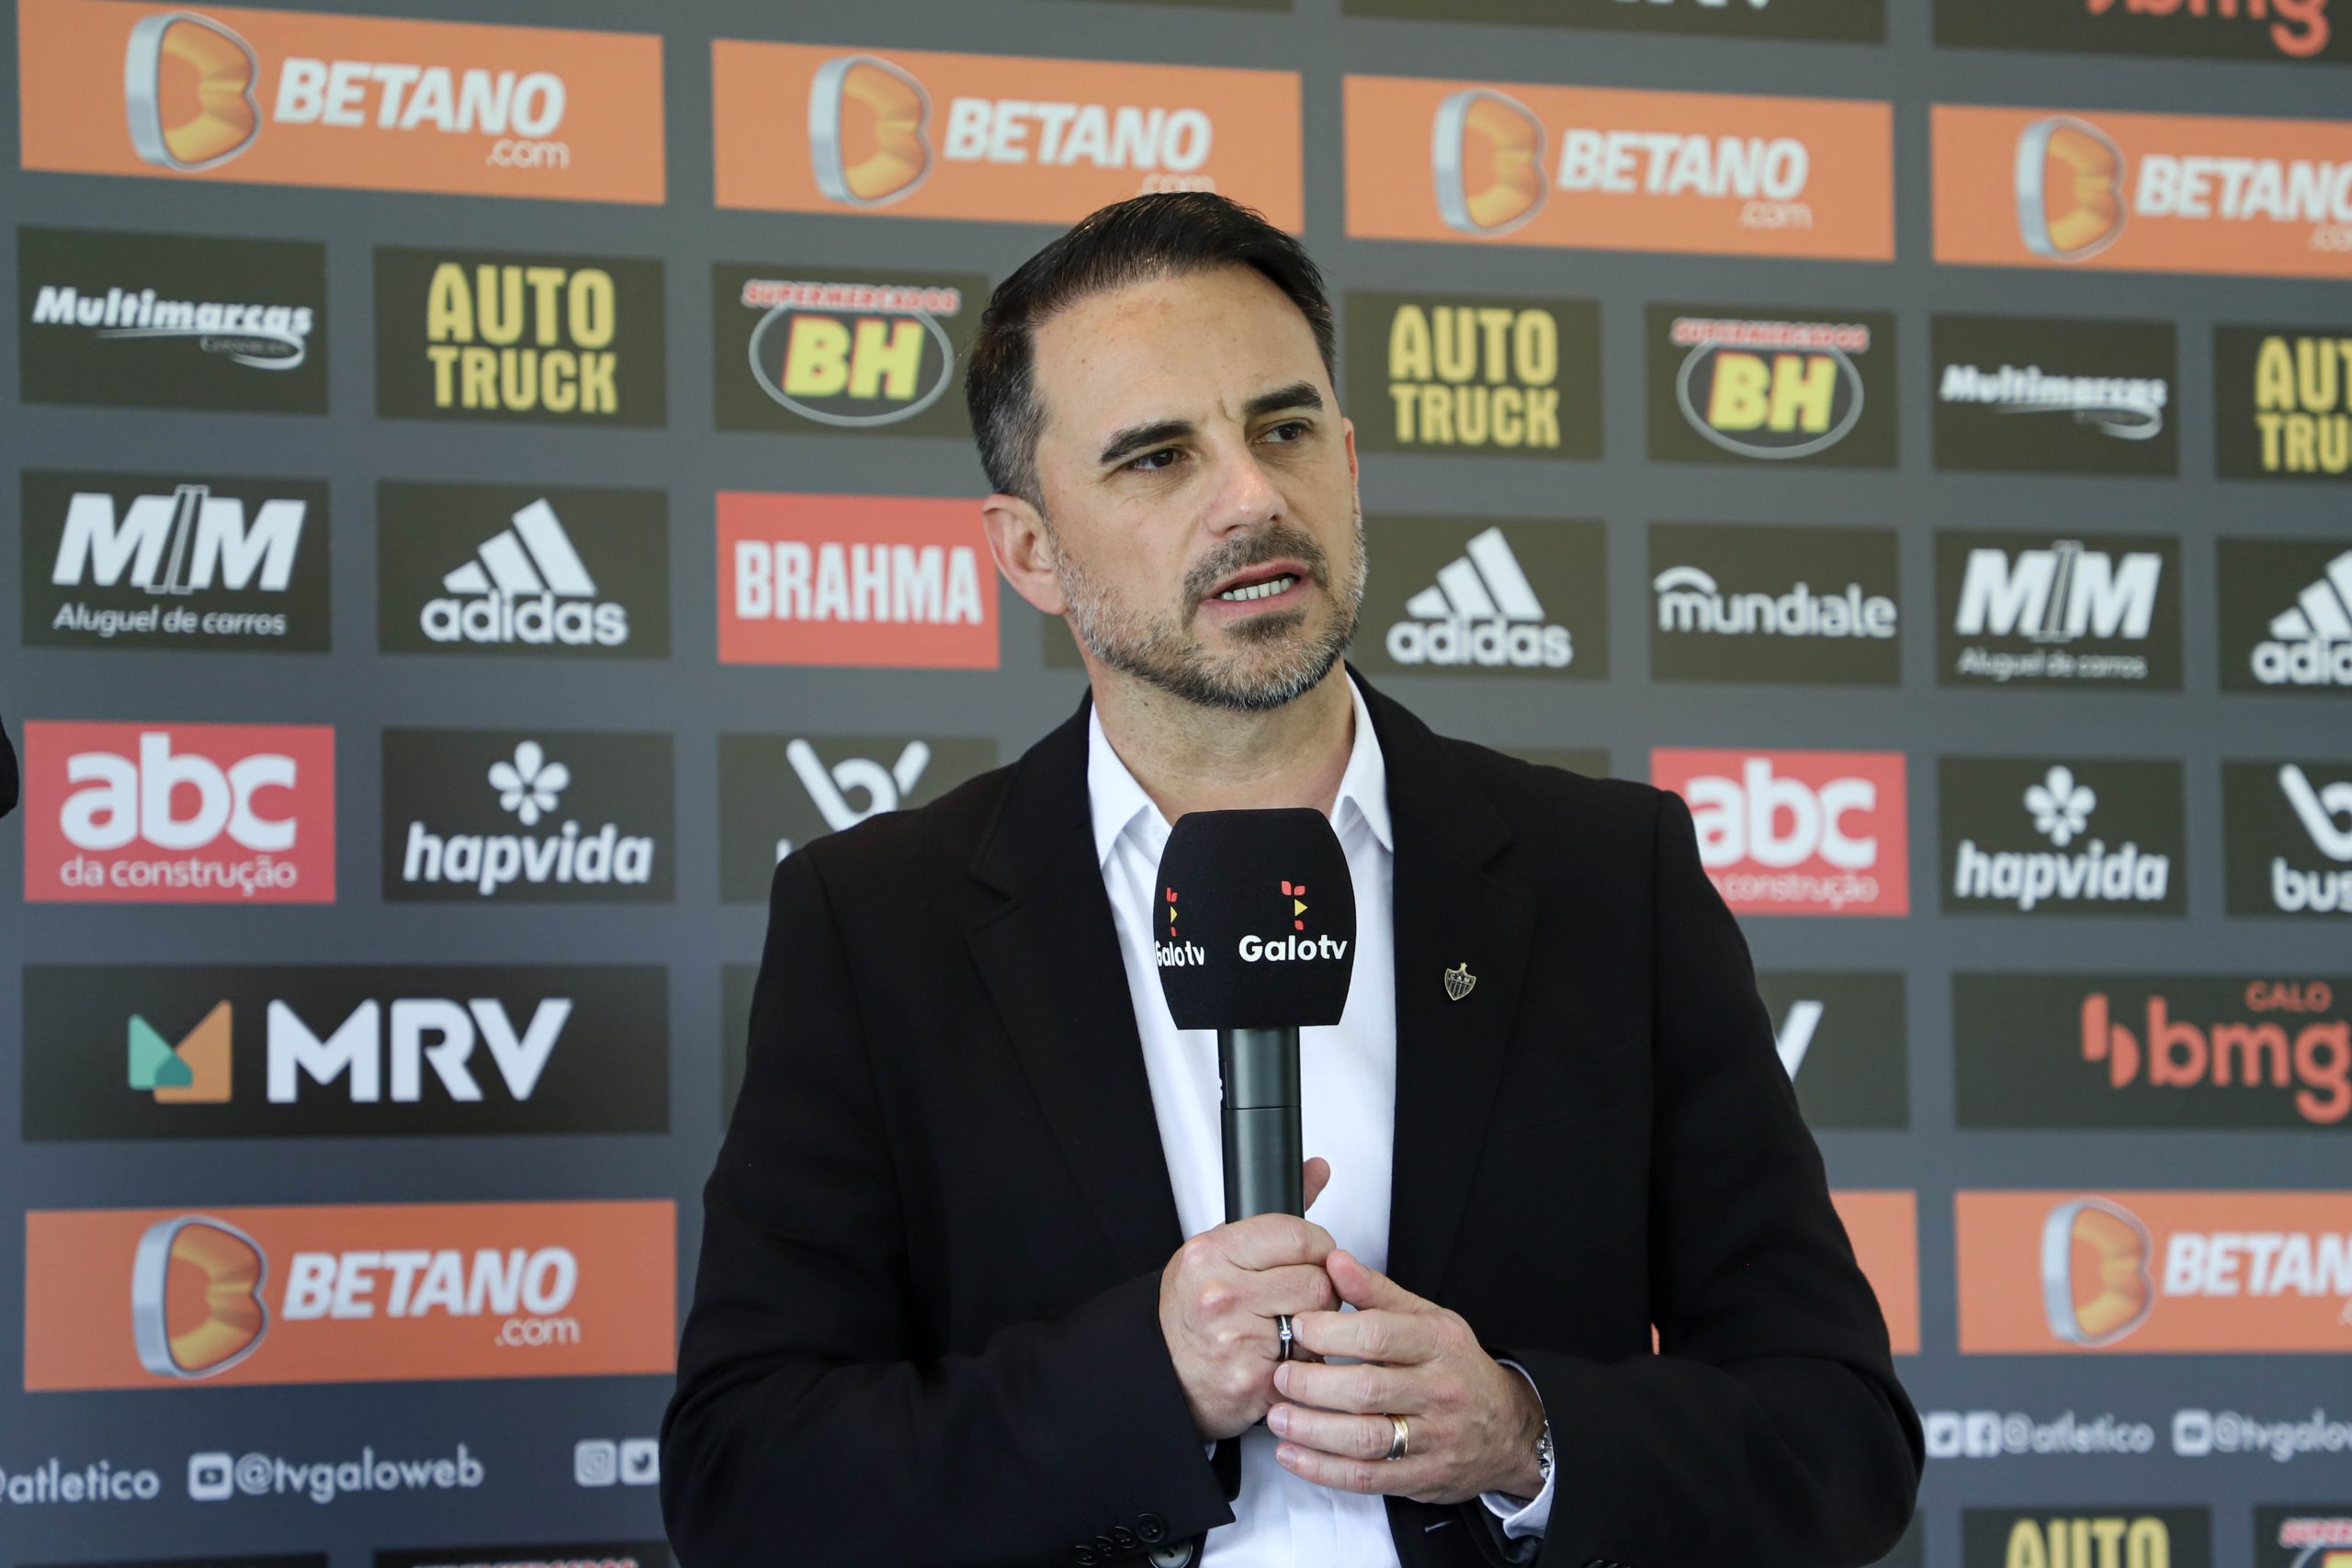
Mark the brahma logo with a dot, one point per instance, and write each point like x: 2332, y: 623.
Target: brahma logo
x: 854, y: 580
x: 289, y: 97
x: 2284, y: 403
x: 2143, y: 192
x: 131, y: 1298
x: 1501, y: 377
x: 1736, y: 387
x: 2290, y: 832
x: 805, y: 129
x: 1716, y: 174
x: 2154, y: 1272
x: 1796, y: 832
x: 180, y: 813
x: 841, y: 350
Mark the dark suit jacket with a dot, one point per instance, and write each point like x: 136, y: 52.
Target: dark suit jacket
x: 925, y: 1329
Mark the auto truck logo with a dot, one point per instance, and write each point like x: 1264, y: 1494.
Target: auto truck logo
x: 196, y: 1306
x: 866, y: 146
x: 2096, y: 1287
x: 2069, y: 189
x: 189, y: 91
x: 1486, y: 162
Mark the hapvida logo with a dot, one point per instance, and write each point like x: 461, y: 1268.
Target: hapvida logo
x: 2060, y: 807
x: 2166, y: 1053
x: 529, y: 786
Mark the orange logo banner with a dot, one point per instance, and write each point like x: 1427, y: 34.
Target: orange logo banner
x: 364, y: 103
x: 1884, y: 1229
x: 1012, y: 139
x: 2143, y: 192
x: 1713, y: 173
x: 152, y: 1297
x: 2155, y: 1272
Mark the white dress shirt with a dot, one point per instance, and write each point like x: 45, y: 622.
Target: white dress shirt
x: 1348, y: 1090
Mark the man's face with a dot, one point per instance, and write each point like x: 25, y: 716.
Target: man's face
x: 1199, y: 487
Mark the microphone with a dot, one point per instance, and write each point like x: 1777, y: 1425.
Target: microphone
x: 1256, y: 938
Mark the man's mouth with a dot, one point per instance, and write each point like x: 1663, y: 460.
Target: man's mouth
x: 1267, y: 589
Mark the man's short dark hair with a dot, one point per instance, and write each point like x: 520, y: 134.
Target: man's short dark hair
x: 1145, y: 237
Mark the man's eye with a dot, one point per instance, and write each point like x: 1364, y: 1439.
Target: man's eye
x: 1289, y: 430
x: 1152, y: 462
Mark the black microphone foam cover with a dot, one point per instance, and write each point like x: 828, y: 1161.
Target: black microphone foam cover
x: 1254, y: 921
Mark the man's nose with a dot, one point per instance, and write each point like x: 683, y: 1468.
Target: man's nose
x: 1245, y: 497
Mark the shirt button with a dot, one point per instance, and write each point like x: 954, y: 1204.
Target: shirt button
x: 1151, y: 1528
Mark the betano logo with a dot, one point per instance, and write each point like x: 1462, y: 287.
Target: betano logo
x: 871, y: 581
x: 805, y: 128
x: 131, y: 1298
x: 284, y: 97
x: 1772, y: 389
x: 1718, y: 173
x: 193, y: 1072
x: 1481, y: 611
x: 2143, y: 192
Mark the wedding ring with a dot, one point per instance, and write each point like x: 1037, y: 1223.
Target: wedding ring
x: 1402, y: 1439
x: 1289, y: 1338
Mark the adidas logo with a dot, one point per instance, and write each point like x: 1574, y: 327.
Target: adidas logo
x: 1482, y: 610
x: 2310, y: 645
x: 526, y: 586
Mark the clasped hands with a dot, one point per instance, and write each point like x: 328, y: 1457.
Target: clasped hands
x: 1472, y: 1421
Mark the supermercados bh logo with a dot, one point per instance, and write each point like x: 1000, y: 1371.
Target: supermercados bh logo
x: 367, y: 103
x: 2086, y: 1537
x: 2078, y: 836
x: 2154, y: 1272
x: 2076, y: 1051
x: 554, y: 816
x: 1000, y: 138
x: 2143, y: 192
x: 512, y: 335
x: 1715, y: 174
x: 2282, y: 402
x: 2309, y: 1536
x: 178, y: 812
x: 522, y: 570
x: 161, y: 1297
x: 1857, y: 21
x: 1493, y: 376
x: 1483, y: 599
x: 840, y: 350
x: 2284, y: 30
x: 2037, y: 394
x: 2042, y: 610
x: 777, y: 792
x: 1735, y: 386
x: 1739, y: 601
x: 568, y: 1554
x: 314, y: 1050
x: 1797, y: 833
x: 2288, y: 829
x: 177, y: 561
x: 172, y: 321
x: 887, y: 582
x: 1841, y: 1036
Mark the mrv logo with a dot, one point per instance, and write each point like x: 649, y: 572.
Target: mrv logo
x: 2290, y: 832
x: 1736, y: 602
x: 2016, y: 609
x: 512, y: 569
x: 2286, y: 611
x: 777, y: 792
x: 2087, y: 838
x: 126, y: 561
x: 548, y: 814
x: 303, y: 1051
x: 1482, y: 611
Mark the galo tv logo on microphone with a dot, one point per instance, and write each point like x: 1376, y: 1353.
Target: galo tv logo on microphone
x: 1256, y: 920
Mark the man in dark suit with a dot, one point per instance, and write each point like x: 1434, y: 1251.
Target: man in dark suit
x: 964, y: 1298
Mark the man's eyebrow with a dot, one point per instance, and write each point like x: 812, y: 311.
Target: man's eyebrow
x: 1125, y: 444
x: 1297, y: 395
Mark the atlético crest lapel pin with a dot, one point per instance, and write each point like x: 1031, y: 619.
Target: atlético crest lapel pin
x: 1458, y: 981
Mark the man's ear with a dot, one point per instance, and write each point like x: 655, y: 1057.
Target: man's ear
x: 1022, y: 549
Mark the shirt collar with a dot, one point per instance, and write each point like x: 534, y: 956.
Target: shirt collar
x: 1120, y: 805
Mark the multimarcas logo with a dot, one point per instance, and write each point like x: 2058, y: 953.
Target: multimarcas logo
x: 179, y: 813
x: 2168, y: 1271
x: 2282, y: 400
x: 2288, y: 826
x: 1740, y: 386
x: 854, y: 580
x: 1858, y: 21
x: 1716, y: 174
x: 1476, y: 598
x: 519, y: 336
x: 2077, y: 1051
x: 174, y: 561
x: 2041, y: 394
x: 2283, y: 30
x: 317, y: 1050
x: 544, y: 816
x: 1001, y: 137
x: 1797, y: 833
x: 777, y: 792
x: 522, y: 570
x: 1494, y: 377
x: 1739, y: 601
x: 2036, y: 837
x: 157, y: 1298
x: 367, y: 103
x: 2086, y: 1537
x: 2021, y: 609
x: 2143, y: 192
x: 840, y: 349
x: 172, y: 321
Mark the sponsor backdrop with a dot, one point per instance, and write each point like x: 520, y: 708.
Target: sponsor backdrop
x: 489, y: 483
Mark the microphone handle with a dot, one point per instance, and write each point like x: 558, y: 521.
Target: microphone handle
x: 1263, y: 1147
